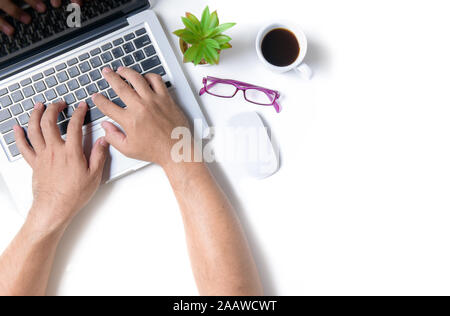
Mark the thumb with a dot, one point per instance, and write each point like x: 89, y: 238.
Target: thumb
x: 114, y: 136
x: 98, y: 157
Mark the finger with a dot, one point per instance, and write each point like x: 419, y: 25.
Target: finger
x: 34, y: 128
x: 22, y: 143
x: 137, y: 81
x: 79, y: 2
x: 38, y: 5
x: 98, y: 157
x: 157, y: 83
x: 109, y: 108
x: 75, y: 130
x: 115, y: 137
x: 49, y: 125
x: 13, y: 10
x: 123, y: 90
x: 5, y: 27
x: 56, y: 3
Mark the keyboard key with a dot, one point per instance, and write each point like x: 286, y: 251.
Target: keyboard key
x: 106, y: 47
x: 85, y: 67
x: 142, y: 41
x: 51, y: 81
x: 68, y: 112
x: 128, y: 60
x: 60, y: 117
x: 117, y: 52
x: 168, y: 84
x: 95, y: 75
x: 4, y: 115
x: 13, y: 87
x: 73, y: 72
x: 37, y: 77
x: 150, y: 63
x: 137, y: 68
x: 49, y: 72
x: 3, y: 91
x: 90, y: 103
x: 70, y: 99
x: 128, y: 48
x: 95, y: 51
x: 106, y: 57
x: 116, y: 64
x: 72, y: 62
x: 17, y: 96
x: 91, y: 89
x: 119, y: 102
x: 73, y: 85
x: 63, y: 127
x: 141, y: 31
x: 96, y: 62
x: 61, y: 89
x: 81, y: 94
x: 50, y: 94
x: 61, y: 67
x: 118, y: 41
x: 84, y: 80
x: 28, y: 91
x: 14, y: 150
x: 25, y: 82
x: 16, y: 109
x: 39, y: 99
x: 62, y: 76
x: 7, y: 126
x: 103, y: 84
x: 150, y: 51
x: 83, y: 57
x: 129, y: 37
x: 9, y: 138
x: 24, y: 119
x: 159, y: 71
x: 93, y: 115
x: 28, y: 104
x: 112, y: 94
x: 5, y: 101
x: 139, y: 55
x: 40, y: 86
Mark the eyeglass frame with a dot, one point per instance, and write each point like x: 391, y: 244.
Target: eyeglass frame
x: 241, y: 86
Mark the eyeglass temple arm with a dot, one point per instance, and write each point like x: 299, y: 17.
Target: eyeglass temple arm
x: 205, y: 87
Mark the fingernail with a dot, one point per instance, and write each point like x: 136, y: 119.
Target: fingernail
x: 107, y: 70
x: 16, y: 128
x: 37, y: 106
x: 7, y: 29
x: 103, y: 142
x: 82, y: 104
x: 120, y: 68
x: 41, y: 7
x: 25, y: 18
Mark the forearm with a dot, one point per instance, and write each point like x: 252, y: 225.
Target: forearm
x: 26, y: 264
x: 221, y: 258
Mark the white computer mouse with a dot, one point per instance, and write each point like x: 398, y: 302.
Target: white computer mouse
x: 250, y: 149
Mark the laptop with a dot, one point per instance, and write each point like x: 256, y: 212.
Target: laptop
x: 48, y: 61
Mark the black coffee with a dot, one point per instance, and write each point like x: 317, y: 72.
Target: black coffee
x: 280, y: 47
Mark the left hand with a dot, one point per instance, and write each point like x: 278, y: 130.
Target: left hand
x: 64, y: 179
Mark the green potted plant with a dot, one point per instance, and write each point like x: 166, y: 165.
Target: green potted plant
x: 202, y: 41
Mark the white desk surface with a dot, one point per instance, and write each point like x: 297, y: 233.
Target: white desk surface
x: 361, y: 203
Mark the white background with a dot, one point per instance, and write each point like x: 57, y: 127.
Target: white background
x: 360, y: 204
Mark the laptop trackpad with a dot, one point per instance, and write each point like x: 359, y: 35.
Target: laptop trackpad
x: 117, y: 165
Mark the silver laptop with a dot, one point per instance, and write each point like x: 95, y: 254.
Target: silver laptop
x: 57, y: 62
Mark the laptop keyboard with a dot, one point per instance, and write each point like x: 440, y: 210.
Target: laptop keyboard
x: 74, y: 81
x: 45, y: 25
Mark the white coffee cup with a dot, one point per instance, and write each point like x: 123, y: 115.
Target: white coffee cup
x: 298, y: 65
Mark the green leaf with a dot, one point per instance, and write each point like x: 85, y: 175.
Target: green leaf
x: 214, y: 21
x: 222, y: 39
x: 190, y: 37
x: 206, y: 16
x: 194, y: 21
x: 220, y: 29
x: 179, y: 33
x: 200, y: 54
x: 191, y: 53
x: 209, y: 42
x: 190, y: 26
x: 225, y: 46
x: 211, y: 54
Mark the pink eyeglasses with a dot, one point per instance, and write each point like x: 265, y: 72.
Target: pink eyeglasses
x: 227, y: 88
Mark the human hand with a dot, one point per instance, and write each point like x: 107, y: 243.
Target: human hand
x: 64, y: 180
x: 12, y: 9
x: 149, y: 119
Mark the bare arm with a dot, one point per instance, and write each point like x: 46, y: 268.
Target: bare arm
x: 25, y: 266
x: 221, y: 258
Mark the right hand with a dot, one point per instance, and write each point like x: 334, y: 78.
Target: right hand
x: 149, y: 119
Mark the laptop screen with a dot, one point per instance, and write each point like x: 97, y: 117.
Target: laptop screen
x: 57, y: 25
